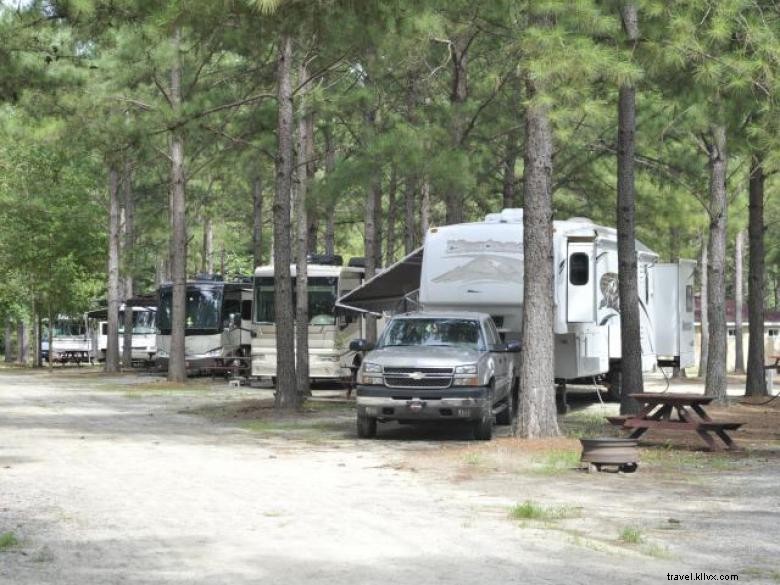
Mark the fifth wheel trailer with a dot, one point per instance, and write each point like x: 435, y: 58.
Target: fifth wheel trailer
x: 479, y: 267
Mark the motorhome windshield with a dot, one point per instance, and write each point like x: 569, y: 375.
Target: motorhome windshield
x: 463, y: 333
x: 69, y: 328
x: 322, y: 299
x: 143, y: 322
x: 203, y: 312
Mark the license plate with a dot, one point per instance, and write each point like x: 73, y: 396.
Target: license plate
x: 415, y: 405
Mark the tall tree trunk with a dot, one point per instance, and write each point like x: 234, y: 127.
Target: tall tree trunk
x: 305, y: 125
x: 756, y: 382
x: 207, y: 255
x: 628, y: 288
x: 373, y: 199
x: 8, y: 350
x: 425, y: 209
x: 391, y: 213
x: 379, y: 216
x: 257, y: 221
x: 509, y: 179
x: 127, y: 262
x: 459, y: 53
x: 177, y: 368
x: 715, y: 384
x: 674, y: 258
x: 330, y: 213
x: 537, y: 376
x: 410, y: 217
x: 313, y: 225
x: 39, y: 340
x: 739, y: 354
x: 114, y: 294
x: 286, y: 396
x: 704, y: 344
x: 21, y: 343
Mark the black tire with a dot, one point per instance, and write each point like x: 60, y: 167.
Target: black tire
x: 483, y: 428
x: 504, y: 418
x: 366, y: 426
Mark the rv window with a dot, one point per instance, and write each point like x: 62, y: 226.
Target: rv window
x: 578, y: 268
x: 246, y: 310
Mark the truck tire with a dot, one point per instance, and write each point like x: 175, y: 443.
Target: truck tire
x: 483, y: 428
x: 505, y: 417
x: 366, y: 426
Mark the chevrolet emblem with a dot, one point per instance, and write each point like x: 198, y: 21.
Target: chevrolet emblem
x: 416, y: 375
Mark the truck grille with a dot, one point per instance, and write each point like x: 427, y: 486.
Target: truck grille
x: 418, y: 377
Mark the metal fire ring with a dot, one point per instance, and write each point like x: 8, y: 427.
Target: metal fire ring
x: 610, y: 451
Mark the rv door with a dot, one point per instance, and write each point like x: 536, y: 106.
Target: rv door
x: 674, y: 312
x: 581, y: 283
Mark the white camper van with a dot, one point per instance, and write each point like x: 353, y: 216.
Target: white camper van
x: 69, y: 341
x: 479, y: 267
x: 144, y: 333
x: 330, y: 331
x: 218, y: 323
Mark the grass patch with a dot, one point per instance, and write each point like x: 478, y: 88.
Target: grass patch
x: 588, y: 424
x: 556, y: 461
x: 678, y: 459
x: 473, y: 458
x: 761, y: 573
x: 530, y: 510
x: 631, y: 535
x: 8, y: 540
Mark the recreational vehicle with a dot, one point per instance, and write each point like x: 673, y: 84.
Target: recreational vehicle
x: 69, y: 341
x: 218, y: 319
x: 330, y: 331
x: 479, y: 267
x: 144, y: 338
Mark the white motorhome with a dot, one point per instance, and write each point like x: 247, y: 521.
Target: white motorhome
x: 330, y: 331
x: 479, y: 267
x: 69, y: 341
x: 218, y: 324
x: 144, y: 340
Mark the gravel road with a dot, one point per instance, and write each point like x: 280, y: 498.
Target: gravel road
x: 102, y: 485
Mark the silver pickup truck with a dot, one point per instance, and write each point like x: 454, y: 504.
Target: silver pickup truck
x: 438, y: 366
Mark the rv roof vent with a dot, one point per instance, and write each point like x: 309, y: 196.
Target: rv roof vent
x: 325, y: 259
x: 357, y: 262
x: 580, y: 220
x: 512, y: 215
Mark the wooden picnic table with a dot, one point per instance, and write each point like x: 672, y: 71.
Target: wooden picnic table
x: 691, y: 416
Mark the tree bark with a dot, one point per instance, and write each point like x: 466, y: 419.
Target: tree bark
x: 373, y: 199
x: 703, y: 316
x: 425, y: 209
x: 537, y: 387
x: 286, y: 396
x: 177, y: 368
x: 739, y: 355
x: 459, y: 53
x: 257, y: 221
x: 127, y: 262
x: 21, y: 343
x: 410, y: 217
x: 509, y: 178
x: 114, y: 294
x: 330, y: 215
x: 756, y: 382
x: 8, y: 350
x: 628, y: 287
x: 207, y: 255
x: 391, y: 213
x: 715, y: 383
x: 305, y: 125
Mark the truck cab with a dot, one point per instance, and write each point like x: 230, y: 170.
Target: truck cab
x: 437, y: 366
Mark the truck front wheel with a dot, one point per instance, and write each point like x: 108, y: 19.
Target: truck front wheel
x: 483, y: 428
x: 366, y: 426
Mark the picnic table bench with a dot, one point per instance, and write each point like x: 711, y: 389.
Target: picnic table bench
x: 691, y: 416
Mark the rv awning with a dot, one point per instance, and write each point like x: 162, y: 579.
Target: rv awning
x: 388, y: 290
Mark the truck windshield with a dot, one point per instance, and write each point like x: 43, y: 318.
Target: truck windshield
x: 322, y: 299
x: 143, y: 322
x: 203, y: 312
x: 427, y: 332
x: 68, y: 328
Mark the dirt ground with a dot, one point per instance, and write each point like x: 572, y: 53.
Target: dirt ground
x: 127, y: 479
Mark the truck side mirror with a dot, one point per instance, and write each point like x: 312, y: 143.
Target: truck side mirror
x: 360, y: 345
x: 513, y: 346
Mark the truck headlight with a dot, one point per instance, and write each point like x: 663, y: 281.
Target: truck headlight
x: 469, y: 369
x: 328, y: 358
x: 369, y: 368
